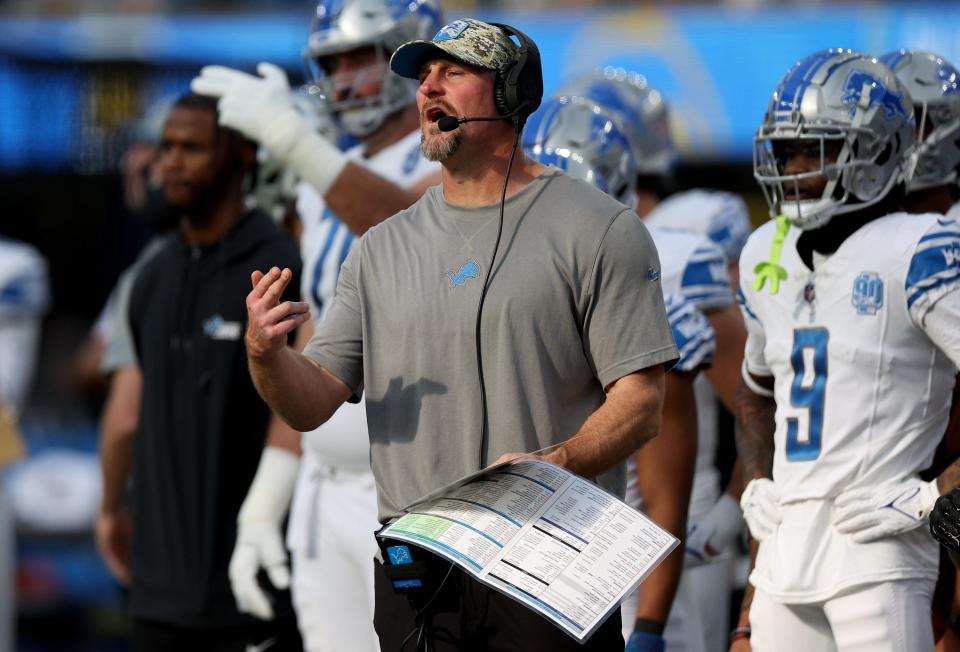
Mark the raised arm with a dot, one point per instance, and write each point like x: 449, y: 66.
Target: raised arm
x: 260, y: 107
x: 299, y: 390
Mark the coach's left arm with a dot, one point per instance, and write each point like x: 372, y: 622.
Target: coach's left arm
x: 629, y: 418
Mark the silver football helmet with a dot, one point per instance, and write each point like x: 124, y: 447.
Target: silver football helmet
x: 343, y: 25
x: 639, y: 108
x: 842, y: 101
x: 583, y: 139
x: 934, y: 85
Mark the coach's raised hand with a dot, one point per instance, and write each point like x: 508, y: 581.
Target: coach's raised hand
x: 269, y: 320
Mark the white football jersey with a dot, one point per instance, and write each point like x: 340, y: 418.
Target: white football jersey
x: 24, y: 298
x: 695, y: 267
x: 862, y: 393
x: 695, y: 280
x: 954, y: 212
x: 343, y: 440
x: 721, y: 216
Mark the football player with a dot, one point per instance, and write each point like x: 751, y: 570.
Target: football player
x: 934, y: 85
x: 334, y: 508
x: 931, y: 186
x: 581, y: 137
x: 848, y: 368
x: 24, y: 299
x: 699, y: 618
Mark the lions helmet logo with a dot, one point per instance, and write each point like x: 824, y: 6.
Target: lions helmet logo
x: 890, y: 100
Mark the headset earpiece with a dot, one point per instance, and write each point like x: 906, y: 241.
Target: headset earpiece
x: 518, y: 85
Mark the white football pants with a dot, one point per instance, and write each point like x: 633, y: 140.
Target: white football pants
x: 891, y: 616
x: 699, y: 617
x: 332, y: 580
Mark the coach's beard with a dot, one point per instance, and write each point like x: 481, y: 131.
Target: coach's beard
x: 439, y: 146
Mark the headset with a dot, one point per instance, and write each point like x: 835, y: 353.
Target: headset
x: 517, y: 85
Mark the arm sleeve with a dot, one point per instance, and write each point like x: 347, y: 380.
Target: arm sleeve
x: 337, y: 342
x: 942, y: 325
x: 119, y: 350
x: 730, y: 226
x: 934, y: 270
x: 753, y: 357
x: 692, y: 333
x: 706, y: 280
x: 625, y: 326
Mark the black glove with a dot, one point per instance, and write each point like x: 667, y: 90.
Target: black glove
x: 945, y: 520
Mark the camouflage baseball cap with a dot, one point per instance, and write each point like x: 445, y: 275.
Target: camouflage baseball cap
x: 468, y: 40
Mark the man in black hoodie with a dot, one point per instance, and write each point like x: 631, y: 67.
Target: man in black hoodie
x: 201, y: 424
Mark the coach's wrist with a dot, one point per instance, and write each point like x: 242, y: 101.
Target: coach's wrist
x: 560, y: 457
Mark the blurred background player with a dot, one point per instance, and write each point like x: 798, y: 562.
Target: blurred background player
x: 333, y: 510
x: 833, y: 447
x: 931, y: 186
x: 581, y: 138
x: 934, y: 86
x: 200, y: 426
x: 699, y: 618
x: 24, y: 299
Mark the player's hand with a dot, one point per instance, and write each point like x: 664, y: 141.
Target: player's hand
x: 259, y: 545
x: 645, y: 642
x: 872, y: 513
x: 710, y: 535
x: 268, y: 320
x: 259, y: 107
x: 113, y: 531
x: 945, y: 520
x: 760, y: 503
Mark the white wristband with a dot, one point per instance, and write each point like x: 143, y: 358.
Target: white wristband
x: 268, y: 498
x: 304, y: 152
x: 754, y: 386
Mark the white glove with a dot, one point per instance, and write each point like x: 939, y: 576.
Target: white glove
x: 873, y: 513
x: 710, y: 536
x: 262, y: 110
x: 761, y: 507
x: 259, y: 541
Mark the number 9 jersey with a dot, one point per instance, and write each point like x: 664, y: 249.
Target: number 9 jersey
x: 862, y: 391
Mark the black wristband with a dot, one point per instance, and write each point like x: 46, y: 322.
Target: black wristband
x: 648, y: 626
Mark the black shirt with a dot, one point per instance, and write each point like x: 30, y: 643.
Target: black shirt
x: 202, y: 425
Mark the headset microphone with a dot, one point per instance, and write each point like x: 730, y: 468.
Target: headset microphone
x: 451, y: 122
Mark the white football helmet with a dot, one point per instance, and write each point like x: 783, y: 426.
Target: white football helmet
x: 343, y: 25
x: 583, y: 139
x: 639, y: 108
x: 934, y: 85
x: 844, y: 99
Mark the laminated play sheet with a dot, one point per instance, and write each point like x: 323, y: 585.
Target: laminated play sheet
x: 550, y: 539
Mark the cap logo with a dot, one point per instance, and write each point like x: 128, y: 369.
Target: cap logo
x: 451, y: 31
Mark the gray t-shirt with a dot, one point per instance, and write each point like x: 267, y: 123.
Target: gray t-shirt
x: 574, y: 304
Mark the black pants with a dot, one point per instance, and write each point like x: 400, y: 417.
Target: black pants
x: 471, y: 617
x: 273, y: 636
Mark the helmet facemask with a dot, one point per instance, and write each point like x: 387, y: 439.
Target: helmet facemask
x: 357, y: 114
x: 935, y: 159
x: 868, y: 163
